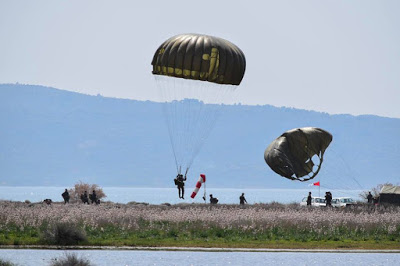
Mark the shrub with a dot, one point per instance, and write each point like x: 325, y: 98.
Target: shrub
x: 79, y: 188
x: 70, y: 260
x: 6, y: 263
x: 64, y: 234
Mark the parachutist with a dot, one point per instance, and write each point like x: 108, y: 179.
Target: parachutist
x: 180, y: 183
x: 190, y: 71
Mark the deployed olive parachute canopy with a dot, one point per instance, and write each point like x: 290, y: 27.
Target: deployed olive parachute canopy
x: 194, y: 74
x: 291, y: 154
x: 200, y: 57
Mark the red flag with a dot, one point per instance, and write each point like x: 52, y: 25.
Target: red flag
x: 316, y: 184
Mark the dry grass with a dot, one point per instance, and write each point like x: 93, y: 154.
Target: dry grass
x: 259, y: 216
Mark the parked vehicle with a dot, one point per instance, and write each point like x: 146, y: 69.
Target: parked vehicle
x: 315, y: 202
x: 343, y: 202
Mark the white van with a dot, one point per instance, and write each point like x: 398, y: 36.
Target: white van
x: 315, y: 202
x: 343, y: 202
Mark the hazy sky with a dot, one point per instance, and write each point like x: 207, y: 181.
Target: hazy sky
x: 331, y: 56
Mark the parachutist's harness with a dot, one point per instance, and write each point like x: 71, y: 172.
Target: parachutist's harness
x: 180, y: 179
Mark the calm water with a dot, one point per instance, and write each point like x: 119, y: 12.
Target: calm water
x: 132, y: 257
x: 170, y: 195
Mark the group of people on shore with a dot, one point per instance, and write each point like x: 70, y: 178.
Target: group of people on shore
x: 84, y: 197
x: 328, y: 199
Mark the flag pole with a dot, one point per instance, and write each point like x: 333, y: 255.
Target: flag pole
x: 319, y: 189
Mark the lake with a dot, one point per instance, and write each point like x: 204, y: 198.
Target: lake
x: 170, y: 195
x: 29, y: 257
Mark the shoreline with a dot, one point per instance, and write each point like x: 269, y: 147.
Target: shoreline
x: 199, y: 249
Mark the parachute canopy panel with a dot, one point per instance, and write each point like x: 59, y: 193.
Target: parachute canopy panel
x: 200, y: 57
x: 290, y: 155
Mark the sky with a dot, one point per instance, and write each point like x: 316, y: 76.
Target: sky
x: 339, y: 57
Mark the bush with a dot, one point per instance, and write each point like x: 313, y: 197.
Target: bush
x: 79, y: 188
x: 6, y: 263
x: 70, y: 260
x: 64, y: 234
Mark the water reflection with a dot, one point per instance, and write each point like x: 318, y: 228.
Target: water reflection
x: 139, y: 257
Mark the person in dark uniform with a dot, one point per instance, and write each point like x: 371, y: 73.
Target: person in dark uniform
x: 370, y: 197
x: 65, y: 196
x: 309, y: 199
x: 93, y: 197
x: 84, y: 198
x: 242, y: 199
x: 213, y: 200
x: 180, y: 183
x: 328, y: 198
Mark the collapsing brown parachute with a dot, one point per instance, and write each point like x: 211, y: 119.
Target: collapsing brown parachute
x: 200, y: 57
x: 291, y: 154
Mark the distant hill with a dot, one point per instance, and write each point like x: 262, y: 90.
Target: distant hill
x: 54, y: 137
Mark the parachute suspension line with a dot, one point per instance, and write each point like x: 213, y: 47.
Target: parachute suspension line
x: 206, y: 115
x: 191, y: 110
x: 337, y: 178
x: 341, y: 191
x: 210, y: 113
x: 351, y: 173
x: 187, y: 169
x: 163, y: 87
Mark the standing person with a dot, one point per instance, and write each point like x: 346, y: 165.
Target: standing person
x: 328, y: 198
x: 309, y: 199
x: 84, y: 198
x: 242, y: 199
x: 65, y: 196
x: 369, y: 197
x: 180, y: 183
x: 93, y: 197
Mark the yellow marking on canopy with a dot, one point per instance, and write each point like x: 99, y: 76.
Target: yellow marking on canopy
x: 214, y: 64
